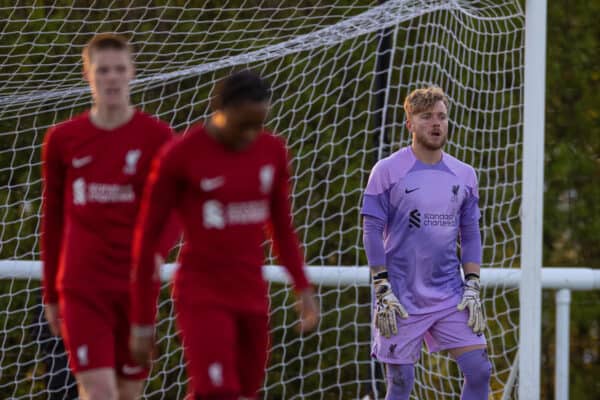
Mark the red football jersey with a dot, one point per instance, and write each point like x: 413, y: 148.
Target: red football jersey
x: 93, y: 181
x: 224, y: 199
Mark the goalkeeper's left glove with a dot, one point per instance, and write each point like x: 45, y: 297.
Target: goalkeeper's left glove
x: 472, y: 302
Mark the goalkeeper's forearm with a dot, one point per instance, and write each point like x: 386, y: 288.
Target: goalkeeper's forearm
x: 471, y: 268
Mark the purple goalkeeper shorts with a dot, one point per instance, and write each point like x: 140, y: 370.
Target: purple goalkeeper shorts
x: 441, y: 330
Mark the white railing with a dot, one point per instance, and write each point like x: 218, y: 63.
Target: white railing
x: 565, y: 279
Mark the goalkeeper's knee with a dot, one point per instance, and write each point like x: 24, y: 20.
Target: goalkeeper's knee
x: 477, y: 369
x: 400, y: 380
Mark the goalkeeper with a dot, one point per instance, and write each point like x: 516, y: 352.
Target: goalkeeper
x: 417, y: 202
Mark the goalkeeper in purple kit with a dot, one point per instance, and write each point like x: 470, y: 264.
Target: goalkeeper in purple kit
x: 418, y: 202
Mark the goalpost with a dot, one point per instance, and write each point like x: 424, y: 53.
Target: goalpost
x: 322, y: 58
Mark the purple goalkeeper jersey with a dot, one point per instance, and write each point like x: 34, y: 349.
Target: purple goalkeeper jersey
x: 423, y: 209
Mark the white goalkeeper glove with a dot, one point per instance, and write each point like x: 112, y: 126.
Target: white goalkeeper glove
x: 472, y: 302
x: 387, y: 306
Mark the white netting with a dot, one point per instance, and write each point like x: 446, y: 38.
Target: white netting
x: 329, y: 85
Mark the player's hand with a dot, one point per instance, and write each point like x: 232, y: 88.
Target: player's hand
x: 308, y: 310
x: 141, y: 345
x: 386, y: 308
x: 472, y: 302
x: 53, y: 318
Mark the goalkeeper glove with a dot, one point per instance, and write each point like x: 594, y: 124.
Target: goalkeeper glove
x: 472, y: 302
x: 387, y: 306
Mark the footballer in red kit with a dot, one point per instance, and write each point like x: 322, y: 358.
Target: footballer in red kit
x: 94, y: 169
x: 227, y: 180
x: 95, y: 177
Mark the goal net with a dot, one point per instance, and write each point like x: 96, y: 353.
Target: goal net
x: 340, y: 71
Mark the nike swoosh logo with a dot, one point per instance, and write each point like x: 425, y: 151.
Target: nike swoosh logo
x: 131, y: 370
x: 82, y: 161
x: 410, y: 191
x: 208, y: 185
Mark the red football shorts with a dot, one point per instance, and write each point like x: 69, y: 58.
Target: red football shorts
x: 226, y: 350
x: 95, y: 329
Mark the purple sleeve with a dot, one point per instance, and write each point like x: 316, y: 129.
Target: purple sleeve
x: 376, y: 196
x: 470, y: 237
x: 373, y: 240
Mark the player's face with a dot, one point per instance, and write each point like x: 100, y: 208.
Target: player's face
x: 244, y: 122
x: 430, y: 127
x: 109, y: 73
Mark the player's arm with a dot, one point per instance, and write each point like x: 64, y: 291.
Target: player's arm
x: 171, y: 234
x: 158, y: 201
x: 388, y: 304
x: 172, y: 230
x: 375, y: 211
x: 470, y: 240
x: 288, y: 247
x: 53, y: 177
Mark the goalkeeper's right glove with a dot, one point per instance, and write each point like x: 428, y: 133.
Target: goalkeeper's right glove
x: 387, y: 306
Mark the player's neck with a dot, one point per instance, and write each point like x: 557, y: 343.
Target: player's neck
x: 425, y: 155
x: 110, y: 117
x: 214, y: 129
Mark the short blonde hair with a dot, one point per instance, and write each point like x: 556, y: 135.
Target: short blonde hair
x: 420, y: 100
x: 103, y: 41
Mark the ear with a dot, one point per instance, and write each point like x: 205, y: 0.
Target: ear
x: 219, y: 119
x: 85, y: 74
x: 408, y: 124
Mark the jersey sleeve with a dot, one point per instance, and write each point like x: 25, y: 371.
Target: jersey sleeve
x: 470, y: 236
x: 373, y: 240
x: 171, y: 234
x: 53, y: 178
x: 469, y: 212
x: 172, y: 230
x: 376, y: 201
x: 285, y: 239
x: 158, y: 203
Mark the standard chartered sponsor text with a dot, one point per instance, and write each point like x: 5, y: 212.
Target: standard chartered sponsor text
x: 94, y: 192
x: 440, y: 219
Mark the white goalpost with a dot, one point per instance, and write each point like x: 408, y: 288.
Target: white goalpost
x: 530, y: 293
x: 340, y: 71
